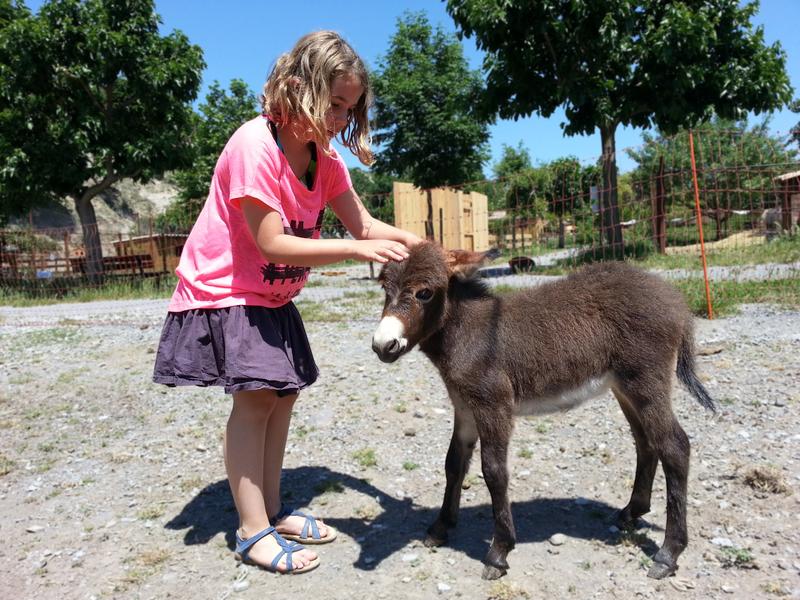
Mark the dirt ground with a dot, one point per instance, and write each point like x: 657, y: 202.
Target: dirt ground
x: 113, y: 487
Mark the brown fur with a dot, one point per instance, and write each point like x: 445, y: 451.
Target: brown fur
x: 495, y: 351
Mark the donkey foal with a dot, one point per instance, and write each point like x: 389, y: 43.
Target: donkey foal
x: 541, y: 350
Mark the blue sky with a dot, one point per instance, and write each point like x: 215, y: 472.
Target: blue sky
x: 242, y: 38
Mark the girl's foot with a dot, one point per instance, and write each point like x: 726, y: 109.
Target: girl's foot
x: 264, y: 551
x: 298, y: 526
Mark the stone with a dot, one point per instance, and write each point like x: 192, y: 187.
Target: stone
x: 722, y: 542
x: 557, y: 539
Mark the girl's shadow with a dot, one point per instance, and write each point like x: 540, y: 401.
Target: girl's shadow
x: 212, y: 511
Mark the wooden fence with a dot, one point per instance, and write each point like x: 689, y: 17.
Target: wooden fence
x: 456, y: 219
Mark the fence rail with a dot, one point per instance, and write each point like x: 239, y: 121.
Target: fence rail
x: 737, y: 206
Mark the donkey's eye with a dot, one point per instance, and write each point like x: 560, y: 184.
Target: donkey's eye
x: 424, y: 295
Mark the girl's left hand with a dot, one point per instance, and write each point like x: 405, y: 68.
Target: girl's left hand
x: 412, y: 240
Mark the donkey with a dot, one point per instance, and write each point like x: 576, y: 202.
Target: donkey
x: 541, y: 350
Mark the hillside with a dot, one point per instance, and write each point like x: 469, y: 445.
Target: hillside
x: 126, y: 209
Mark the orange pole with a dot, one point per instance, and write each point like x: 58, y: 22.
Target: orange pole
x: 700, y: 225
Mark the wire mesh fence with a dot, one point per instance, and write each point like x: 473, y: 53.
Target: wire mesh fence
x: 716, y: 211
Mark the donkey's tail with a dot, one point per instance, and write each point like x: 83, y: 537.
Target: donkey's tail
x: 687, y: 375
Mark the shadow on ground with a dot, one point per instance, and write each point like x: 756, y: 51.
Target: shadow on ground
x: 212, y: 511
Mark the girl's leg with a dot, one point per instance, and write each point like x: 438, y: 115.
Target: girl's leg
x: 244, y: 450
x: 277, y: 432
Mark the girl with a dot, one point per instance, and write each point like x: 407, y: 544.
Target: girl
x: 231, y: 321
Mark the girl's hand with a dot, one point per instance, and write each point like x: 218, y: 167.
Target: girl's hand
x: 381, y: 251
x: 412, y: 240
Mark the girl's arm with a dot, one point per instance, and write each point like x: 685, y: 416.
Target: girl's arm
x: 363, y: 226
x: 267, y: 229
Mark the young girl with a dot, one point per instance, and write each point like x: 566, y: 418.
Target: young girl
x: 231, y: 321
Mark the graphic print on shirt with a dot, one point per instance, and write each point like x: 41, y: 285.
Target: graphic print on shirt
x: 272, y: 272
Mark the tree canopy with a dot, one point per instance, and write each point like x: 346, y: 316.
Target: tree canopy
x: 90, y: 93
x: 641, y: 63
x: 426, y: 123
x: 218, y: 117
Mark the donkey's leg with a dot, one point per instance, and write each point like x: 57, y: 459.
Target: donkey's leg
x: 671, y: 445
x: 495, y: 433
x: 462, y: 444
x: 646, y: 464
x: 673, y: 450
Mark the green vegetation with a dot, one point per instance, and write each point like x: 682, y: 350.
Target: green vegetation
x: 736, y: 557
x: 92, y: 93
x: 427, y: 118
x: 728, y: 295
x: 6, y: 465
x: 42, y: 292
x: 365, y: 457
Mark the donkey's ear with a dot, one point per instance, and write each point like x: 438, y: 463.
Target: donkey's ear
x: 464, y: 264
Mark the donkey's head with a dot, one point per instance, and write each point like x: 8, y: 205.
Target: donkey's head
x: 417, y: 299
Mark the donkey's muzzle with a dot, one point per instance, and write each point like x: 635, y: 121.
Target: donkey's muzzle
x: 388, y: 352
x: 388, y: 342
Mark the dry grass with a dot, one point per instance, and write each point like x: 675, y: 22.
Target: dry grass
x: 505, y: 590
x: 766, y: 479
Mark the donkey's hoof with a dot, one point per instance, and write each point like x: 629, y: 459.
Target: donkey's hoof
x: 629, y: 521
x: 436, y: 535
x: 492, y: 572
x: 660, y: 570
x: 433, y: 542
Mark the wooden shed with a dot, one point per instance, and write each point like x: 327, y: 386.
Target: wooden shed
x: 789, y: 194
x: 164, y: 249
x: 460, y: 220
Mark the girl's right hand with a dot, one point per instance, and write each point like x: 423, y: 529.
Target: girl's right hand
x: 381, y: 251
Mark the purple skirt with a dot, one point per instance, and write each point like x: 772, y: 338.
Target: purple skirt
x: 239, y: 348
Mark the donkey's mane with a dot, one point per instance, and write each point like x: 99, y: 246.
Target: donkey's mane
x: 470, y: 288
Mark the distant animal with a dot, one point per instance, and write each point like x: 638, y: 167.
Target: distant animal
x: 541, y: 350
x: 521, y: 264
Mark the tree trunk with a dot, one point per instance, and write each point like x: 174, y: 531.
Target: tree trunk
x: 659, y: 203
x: 91, y: 238
x: 561, y: 232
x: 429, y: 222
x: 610, y: 223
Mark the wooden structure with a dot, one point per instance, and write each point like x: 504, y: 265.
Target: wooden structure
x: 159, y: 252
x: 459, y: 219
x: 789, y: 193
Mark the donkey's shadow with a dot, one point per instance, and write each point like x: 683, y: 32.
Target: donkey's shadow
x: 212, y: 511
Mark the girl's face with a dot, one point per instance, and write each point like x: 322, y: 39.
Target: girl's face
x: 346, y: 91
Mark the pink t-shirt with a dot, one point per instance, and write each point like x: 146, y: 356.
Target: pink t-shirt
x: 220, y: 264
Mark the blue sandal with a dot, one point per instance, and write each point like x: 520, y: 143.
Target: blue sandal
x: 288, y: 548
x: 311, y: 523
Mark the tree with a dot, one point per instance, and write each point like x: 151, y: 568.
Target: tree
x: 736, y: 167
x: 219, y: 117
x: 426, y: 121
x: 795, y: 133
x: 567, y: 192
x: 623, y: 62
x: 91, y: 93
x: 512, y: 162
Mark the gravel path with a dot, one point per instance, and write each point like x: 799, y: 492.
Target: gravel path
x: 113, y: 487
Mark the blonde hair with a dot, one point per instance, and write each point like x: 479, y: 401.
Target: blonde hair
x: 299, y: 90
